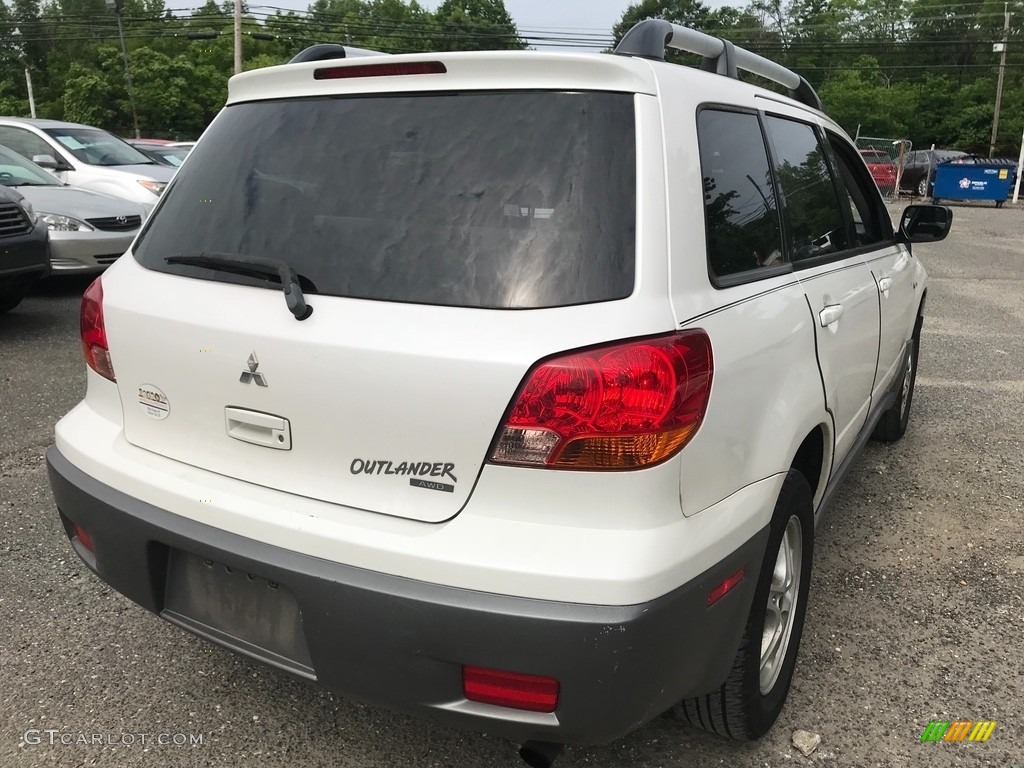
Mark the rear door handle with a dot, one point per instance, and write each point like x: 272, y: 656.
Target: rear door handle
x: 258, y: 428
x: 884, y: 284
x: 830, y: 314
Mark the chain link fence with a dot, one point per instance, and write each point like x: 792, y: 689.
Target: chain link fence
x: 885, y: 160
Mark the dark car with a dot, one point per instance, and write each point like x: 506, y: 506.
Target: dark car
x: 24, y: 248
x: 160, y: 151
x: 919, y: 168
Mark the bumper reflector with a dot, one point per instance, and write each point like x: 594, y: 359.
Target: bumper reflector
x: 82, y: 535
x: 722, y: 589
x: 515, y: 690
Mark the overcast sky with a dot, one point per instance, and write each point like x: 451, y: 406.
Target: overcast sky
x: 584, y: 17
x: 592, y: 15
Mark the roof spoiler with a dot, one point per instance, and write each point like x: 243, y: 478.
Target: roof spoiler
x: 324, y: 51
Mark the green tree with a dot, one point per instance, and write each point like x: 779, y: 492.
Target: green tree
x: 92, y: 96
x: 861, y: 100
x: 689, y: 13
x: 474, y: 25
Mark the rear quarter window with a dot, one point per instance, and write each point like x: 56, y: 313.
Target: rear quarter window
x: 740, y: 208
x: 498, y: 200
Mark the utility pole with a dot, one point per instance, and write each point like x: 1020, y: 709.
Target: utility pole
x: 1020, y: 165
x: 31, y: 98
x: 117, y: 5
x: 238, y: 36
x: 1001, y: 47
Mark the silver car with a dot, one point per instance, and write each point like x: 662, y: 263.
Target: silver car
x: 88, y: 231
x: 87, y: 157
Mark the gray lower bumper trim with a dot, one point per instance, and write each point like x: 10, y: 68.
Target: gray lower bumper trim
x: 402, y: 643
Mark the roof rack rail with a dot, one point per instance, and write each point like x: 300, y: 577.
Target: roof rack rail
x: 648, y: 39
x: 323, y: 51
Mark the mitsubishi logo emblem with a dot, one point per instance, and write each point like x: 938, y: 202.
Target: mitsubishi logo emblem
x: 251, y: 375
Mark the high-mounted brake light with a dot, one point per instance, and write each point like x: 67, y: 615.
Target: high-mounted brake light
x: 624, y: 406
x: 532, y: 693
x: 94, y: 333
x: 380, y: 70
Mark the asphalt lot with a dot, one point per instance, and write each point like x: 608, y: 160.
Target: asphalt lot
x: 916, y: 609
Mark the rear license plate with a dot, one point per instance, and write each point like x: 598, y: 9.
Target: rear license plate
x: 240, y: 610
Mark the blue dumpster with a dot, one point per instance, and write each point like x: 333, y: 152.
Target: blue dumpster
x: 972, y: 181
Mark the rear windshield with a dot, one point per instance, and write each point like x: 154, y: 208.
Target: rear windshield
x: 499, y: 200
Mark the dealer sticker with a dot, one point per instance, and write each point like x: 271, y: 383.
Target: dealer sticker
x: 153, y: 402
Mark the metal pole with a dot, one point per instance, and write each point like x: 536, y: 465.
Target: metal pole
x: 31, y: 98
x: 128, y: 76
x: 999, y: 87
x: 899, y: 167
x: 1020, y: 170
x: 238, y: 36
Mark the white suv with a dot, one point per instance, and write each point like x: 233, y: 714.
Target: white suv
x: 501, y: 387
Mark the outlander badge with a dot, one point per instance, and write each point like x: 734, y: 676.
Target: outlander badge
x: 251, y: 375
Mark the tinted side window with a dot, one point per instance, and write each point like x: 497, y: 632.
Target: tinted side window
x: 25, y: 143
x: 815, y: 223
x: 739, y: 197
x: 861, y: 196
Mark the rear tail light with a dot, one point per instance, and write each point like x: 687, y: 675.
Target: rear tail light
x: 623, y: 406
x: 532, y: 693
x: 94, y: 333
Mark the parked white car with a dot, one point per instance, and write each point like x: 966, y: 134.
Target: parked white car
x: 88, y: 157
x: 88, y: 231
x: 516, y: 401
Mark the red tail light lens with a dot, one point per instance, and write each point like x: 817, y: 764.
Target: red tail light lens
x: 94, y: 334
x: 532, y: 693
x: 624, y: 406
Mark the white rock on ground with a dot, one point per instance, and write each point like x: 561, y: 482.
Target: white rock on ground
x: 806, y: 741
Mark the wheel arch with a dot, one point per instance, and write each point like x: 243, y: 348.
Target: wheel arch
x: 812, y: 459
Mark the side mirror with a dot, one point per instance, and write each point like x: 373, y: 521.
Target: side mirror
x: 49, y: 162
x: 925, y: 223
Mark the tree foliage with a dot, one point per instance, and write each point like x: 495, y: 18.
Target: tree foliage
x: 180, y: 65
x: 912, y: 69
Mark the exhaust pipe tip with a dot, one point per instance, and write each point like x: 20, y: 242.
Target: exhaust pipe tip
x: 540, y: 754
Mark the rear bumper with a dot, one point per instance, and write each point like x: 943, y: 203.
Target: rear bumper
x: 401, y: 643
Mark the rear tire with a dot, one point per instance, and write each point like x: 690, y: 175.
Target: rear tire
x: 750, y: 700
x: 893, y: 424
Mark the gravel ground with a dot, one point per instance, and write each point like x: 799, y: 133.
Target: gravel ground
x: 916, y: 610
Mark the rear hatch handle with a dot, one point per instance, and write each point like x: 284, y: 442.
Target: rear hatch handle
x: 258, y: 428
x: 253, y: 266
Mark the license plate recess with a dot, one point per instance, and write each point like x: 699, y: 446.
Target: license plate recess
x: 242, y: 611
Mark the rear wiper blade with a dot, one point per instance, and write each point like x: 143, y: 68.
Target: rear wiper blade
x: 254, y: 266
